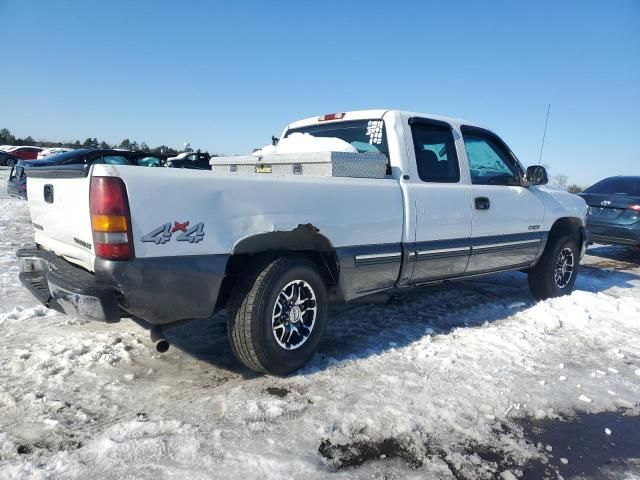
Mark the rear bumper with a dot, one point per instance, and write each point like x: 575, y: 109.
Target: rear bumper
x: 616, y: 235
x: 158, y: 290
x: 59, y: 285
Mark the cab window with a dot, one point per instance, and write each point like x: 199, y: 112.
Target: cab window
x: 490, y: 163
x: 435, y: 150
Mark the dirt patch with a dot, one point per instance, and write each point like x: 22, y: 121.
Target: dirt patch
x: 492, y: 458
x: 355, y: 454
x: 277, y: 392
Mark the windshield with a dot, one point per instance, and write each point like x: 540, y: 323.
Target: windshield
x: 366, y: 136
x: 617, y: 186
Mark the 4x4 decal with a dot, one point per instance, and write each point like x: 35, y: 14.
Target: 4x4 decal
x: 164, y: 233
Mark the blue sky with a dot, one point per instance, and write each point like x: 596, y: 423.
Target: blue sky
x: 225, y: 76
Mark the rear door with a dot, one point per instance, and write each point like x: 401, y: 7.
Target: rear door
x: 442, y: 200
x: 507, y: 217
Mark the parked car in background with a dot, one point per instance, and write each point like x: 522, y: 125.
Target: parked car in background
x: 17, y: 183
x: 614, y: 211
x: 25, y: 152
x: 8, y: 159
x: 196, y: 160
x: 47, y: 152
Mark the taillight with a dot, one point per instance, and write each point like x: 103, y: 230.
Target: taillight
x: 110, y: 219
x: 635, y: 208
x: 331, y: 116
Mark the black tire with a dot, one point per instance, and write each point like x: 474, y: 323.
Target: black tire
x: 543, y: 281
x: 10, y: 162
x: 250, y: 324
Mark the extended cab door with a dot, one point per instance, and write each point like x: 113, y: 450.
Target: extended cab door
x: 442, y: 201
x: 507, y: 217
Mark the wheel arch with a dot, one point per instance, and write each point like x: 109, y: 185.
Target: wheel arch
x: 304, y: 240
x: 568, y: 226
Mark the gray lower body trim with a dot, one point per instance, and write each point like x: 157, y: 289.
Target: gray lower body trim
x: 158, y: 290
x: 505, y: 251
x: 365, y: 269
x: 162, y: 290
x: 441, y: 259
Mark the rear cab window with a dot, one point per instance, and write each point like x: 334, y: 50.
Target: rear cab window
x: 366, y: 136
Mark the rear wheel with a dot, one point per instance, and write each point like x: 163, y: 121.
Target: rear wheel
x: 278, y: 316
x: 555, y: 273
x: 10, y: 162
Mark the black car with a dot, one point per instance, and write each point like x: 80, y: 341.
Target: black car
x: 614, y: 211
x: 17, y: 184
x: 8, y: 159
x: 197, y: 160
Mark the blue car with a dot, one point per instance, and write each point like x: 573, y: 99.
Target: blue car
x: 17, y: 184
x: 614, y: 211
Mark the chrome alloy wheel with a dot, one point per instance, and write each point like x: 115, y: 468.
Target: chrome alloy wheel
x: 294, y: 314
x: 564, y: 268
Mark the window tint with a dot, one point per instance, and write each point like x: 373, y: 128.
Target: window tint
x: 149, y: 162
x: 435, y: 150
x: 114, y: 160
x: 488, y: 162
x: 620, y: 186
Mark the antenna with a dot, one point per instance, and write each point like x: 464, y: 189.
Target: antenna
x: 544, y: 134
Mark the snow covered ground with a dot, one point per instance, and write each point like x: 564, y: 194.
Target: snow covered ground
x: 435, y: 383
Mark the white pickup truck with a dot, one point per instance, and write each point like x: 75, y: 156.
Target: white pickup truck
x: 168, y: 245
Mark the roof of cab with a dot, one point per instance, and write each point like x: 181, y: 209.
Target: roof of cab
x: 378, y: 113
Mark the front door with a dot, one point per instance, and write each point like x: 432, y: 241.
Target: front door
x: 443, y: 203
x: 507, y: 217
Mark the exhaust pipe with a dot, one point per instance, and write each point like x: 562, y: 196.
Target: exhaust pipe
x: 160, y: 343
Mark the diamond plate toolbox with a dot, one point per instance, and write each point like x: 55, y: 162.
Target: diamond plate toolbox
x: 325, y: 164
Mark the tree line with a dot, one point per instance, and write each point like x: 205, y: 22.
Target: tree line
x: 7, y: 138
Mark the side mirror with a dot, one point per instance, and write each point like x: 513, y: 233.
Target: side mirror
x: 536, y: 175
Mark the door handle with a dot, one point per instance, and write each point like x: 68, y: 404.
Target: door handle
x: 48, y: 193
x: 482, y: 203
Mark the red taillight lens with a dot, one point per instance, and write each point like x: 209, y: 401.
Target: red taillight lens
x: 108, y: 196
x: 110, y: 219
x: 635, y: 208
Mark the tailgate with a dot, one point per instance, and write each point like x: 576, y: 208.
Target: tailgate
x: 59, y: 208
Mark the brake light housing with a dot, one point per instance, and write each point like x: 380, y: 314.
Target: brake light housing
x: 331, y: 116
x: 110, y: 219
x: 635, y: 208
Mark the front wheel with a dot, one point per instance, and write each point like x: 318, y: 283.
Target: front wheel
x: 278, y: 316
x: 555, y: 273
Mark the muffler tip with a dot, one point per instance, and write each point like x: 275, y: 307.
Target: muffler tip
x: 161, y: 345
